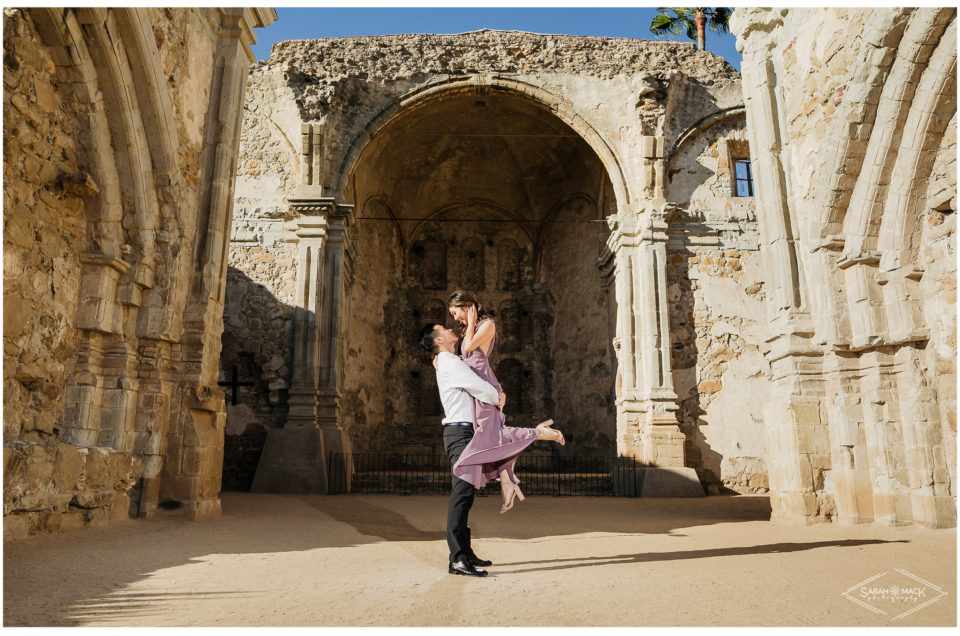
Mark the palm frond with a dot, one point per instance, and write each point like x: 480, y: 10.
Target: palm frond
x: 719, y: 21
x: 677, y: 20
x: 663, y: 24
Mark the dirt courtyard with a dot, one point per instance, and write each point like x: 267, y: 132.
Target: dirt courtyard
x: 380, y: 560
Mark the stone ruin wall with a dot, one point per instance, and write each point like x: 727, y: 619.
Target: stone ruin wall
x: 256, y: 336
x: 855, y: 109
x: 579, y: 348
x: 378, y: 385
x: 717, y: 315
x: 722, y: 377
x: 48, y: 484
x: 345, y: 82
x: 41, y: 270
x: 714, y: 275
x: 259, y: 295
x: 100, y: 354
x: 836, y: 377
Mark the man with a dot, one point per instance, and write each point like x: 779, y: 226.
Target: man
x: 457, y: 382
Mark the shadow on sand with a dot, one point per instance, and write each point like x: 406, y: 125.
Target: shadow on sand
x: 770, y: 548
x: 80, y: 576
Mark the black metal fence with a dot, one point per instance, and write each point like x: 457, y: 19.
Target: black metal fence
x: 560, y: 475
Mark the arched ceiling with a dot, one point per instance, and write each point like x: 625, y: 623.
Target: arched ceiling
x: 506, y: 151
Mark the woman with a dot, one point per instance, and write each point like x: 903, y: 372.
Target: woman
x: 494, y: 449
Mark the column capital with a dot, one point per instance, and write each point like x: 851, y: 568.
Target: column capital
x: 646, y: 226
x: 239, y: 23
x: 792, y: 334
x: 94, y: 258
x: 653, y: 224
x: 322, y: 206
x: 320, y: 218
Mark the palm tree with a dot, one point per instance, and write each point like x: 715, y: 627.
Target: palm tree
x: 692, y: 21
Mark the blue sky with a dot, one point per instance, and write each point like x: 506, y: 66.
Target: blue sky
x: 297, y: 23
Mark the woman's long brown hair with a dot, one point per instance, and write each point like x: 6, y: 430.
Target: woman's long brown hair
x: 463, y: 298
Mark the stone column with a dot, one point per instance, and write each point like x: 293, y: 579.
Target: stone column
x: 294, y: 457
x: 311, y: 231
x: 647, y: 425
x: 797, y: 435
x: 193, y: 465
x: 332, y: 327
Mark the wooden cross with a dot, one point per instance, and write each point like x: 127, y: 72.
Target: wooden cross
x: 235, y: 385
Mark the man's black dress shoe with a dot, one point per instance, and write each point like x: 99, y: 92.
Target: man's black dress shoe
x: 464, y: 567
x: 476, y: 561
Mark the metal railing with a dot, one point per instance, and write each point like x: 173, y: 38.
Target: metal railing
x: 559, y: 475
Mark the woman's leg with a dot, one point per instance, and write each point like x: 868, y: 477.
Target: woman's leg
x: 506, y: 486
x: 509, y: 493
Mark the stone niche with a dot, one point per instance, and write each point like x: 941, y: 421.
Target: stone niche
x: 485, y: 194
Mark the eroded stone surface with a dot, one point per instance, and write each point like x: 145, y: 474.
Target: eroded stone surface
x: 114, y: 216
x: 852, y: 117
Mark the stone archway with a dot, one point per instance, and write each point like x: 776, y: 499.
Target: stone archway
x: 497, y: 171
x: 490, y: 191
x: 480, y: 186
x: 482, y: 85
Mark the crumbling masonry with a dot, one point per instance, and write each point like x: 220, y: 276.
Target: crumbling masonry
x: 120, y: 145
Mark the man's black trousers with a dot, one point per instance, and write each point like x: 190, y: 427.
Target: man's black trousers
x: 455, y: 439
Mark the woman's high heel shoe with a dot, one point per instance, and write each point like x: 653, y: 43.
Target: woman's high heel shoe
x: 516, y: 494
x: 552, y: 433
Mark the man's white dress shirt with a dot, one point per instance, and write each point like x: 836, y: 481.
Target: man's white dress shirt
x: 457, y: 382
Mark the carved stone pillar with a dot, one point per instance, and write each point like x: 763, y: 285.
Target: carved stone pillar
x: 294, y: 457
x: 647, y: 407
x: 311, y: 231
x: 193, y: 465
x: 332, y: 324
x: 797, y: 434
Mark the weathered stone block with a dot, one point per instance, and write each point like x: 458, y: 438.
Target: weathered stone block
x: 709, y: 386
x: 18, y: 315
x: 89, y: 499
x: 38, y: 463
x: 95, y: 471
x: 12, y: 466
x: 68, y: 468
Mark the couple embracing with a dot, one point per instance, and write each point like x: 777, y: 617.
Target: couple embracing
x: 480, y: 446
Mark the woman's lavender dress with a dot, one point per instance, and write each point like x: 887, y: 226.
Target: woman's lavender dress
x: 494, y: 447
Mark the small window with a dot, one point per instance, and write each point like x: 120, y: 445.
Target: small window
x: 743, y: 178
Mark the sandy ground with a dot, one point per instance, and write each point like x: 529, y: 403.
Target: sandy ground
x: 365, y: 560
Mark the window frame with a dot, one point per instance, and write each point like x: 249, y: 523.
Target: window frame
x: 748, y: 180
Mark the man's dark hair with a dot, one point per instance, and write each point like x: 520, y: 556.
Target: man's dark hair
x: 427, y: 334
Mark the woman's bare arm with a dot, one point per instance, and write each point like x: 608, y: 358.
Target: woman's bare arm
x: 480, y: 340
x: 483, y: 336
